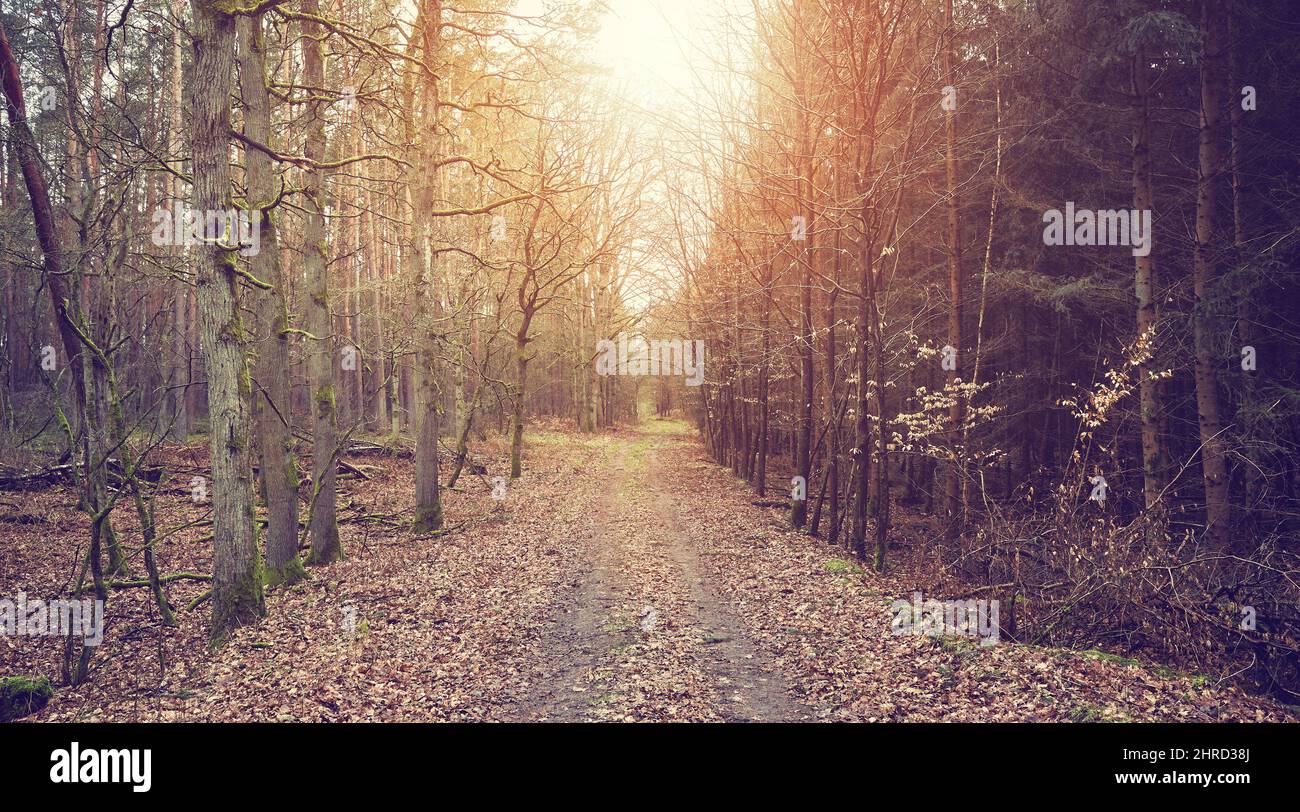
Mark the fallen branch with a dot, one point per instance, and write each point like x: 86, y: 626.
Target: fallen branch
x: 346, y: 467
x: 165, y: 579
x: 68, y: 474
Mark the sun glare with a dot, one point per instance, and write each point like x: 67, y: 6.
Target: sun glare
x: 660, y: 51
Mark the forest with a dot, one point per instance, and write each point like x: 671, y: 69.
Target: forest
x: 650, y: 360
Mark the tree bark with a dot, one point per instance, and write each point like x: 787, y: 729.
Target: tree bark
x: 325, y: 546
x: 956, y: 414
x: 428, y: 499
x: 1205, y: 270
x: 1154, y: 463
x: 178, y: 413
x: 271, y: 406
x: 236, y: 583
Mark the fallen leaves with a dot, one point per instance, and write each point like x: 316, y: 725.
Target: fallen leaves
x: 622, y: 579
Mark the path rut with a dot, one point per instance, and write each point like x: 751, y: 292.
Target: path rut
x: 641, y: 635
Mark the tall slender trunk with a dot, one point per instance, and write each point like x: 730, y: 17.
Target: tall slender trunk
x: 271, y: 408
x: 178, y: 367
x: 881, y: 507
x: 803, y: 439
x: 764, y: 381
x: 832, y: 382
x: 986, y: 265
x: 956, y: 414
x: 521, y: 388
x: 428, y: 499
x: 862, y: 415
x: 28, y: 156
x: 1154, y: 464
x: 368, y: 304
x: 1205, y: 272
x: 325, y: 547
x: 1248, y: 408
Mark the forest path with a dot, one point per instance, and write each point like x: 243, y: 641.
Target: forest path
x: 626, y: 576
x: 643, y: 634
x: 689, y: 602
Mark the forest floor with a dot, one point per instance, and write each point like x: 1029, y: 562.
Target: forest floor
x: 625, y: 577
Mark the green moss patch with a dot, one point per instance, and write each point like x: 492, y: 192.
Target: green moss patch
x: 23, y: 696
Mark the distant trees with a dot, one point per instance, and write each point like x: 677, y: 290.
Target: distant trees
x: 341, y: 210
x: 1075, y: 398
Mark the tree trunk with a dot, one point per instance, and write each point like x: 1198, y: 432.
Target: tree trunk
x: 236, y: 585
x: 178, y: 413
x: 325, y: 547
x: 957, y: 411
x: 428, y: 500
x: 862, y: 415
x: 521, y: 388
x: 1248, y: 409
x: 271, y: 408
x: 1154, y: 464
x: 1205, y: 272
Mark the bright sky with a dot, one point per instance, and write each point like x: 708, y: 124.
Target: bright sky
x: 645, y: 43
x: 660, y: 47
x: 667, y: 58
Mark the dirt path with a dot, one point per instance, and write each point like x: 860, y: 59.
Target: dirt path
x: 643, y: 635
x: 689, y: 603
x: 625, y: 577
